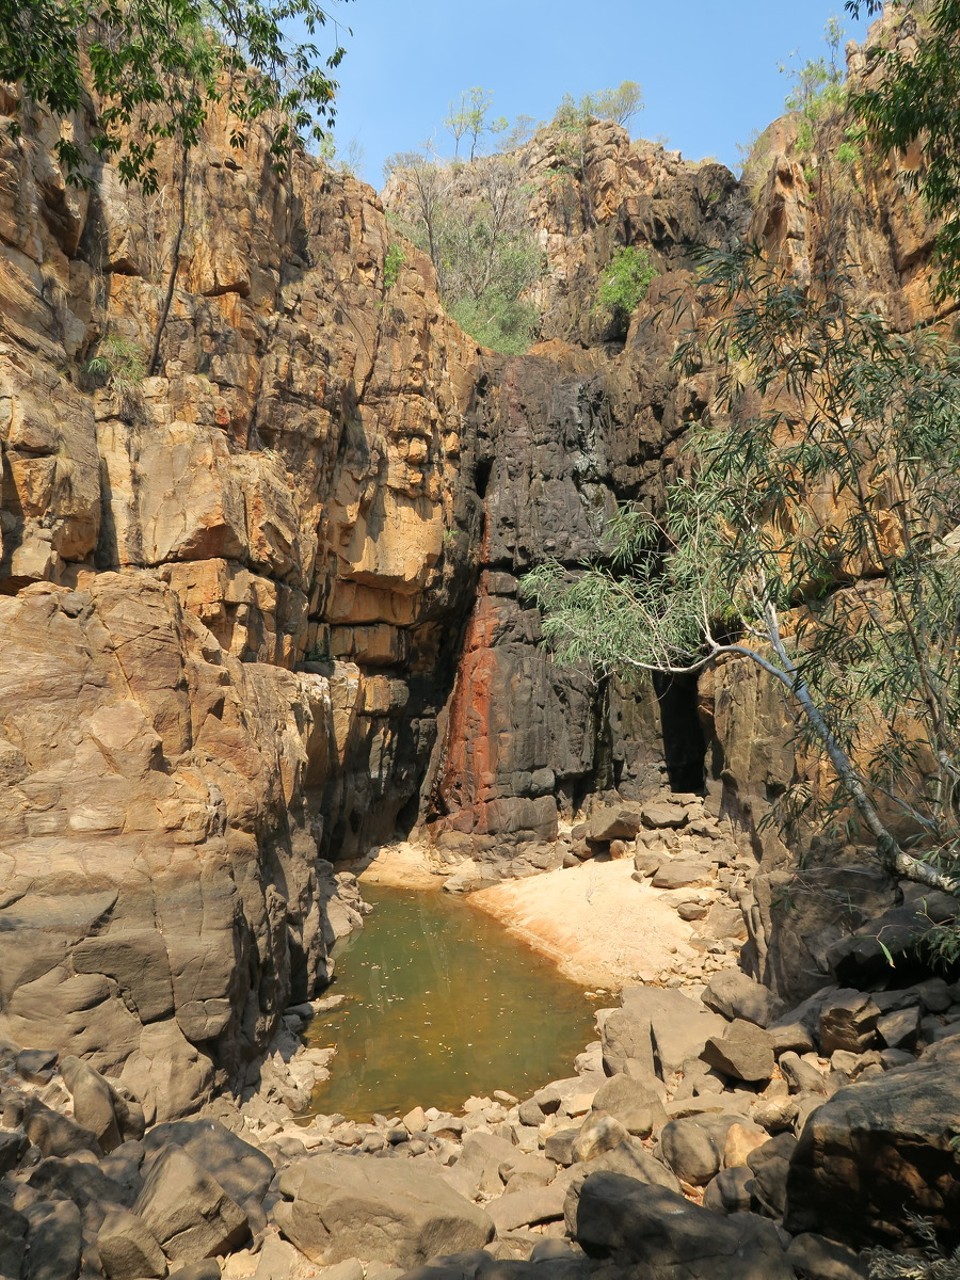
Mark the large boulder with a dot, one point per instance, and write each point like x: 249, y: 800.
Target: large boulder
x: 244, y: 1172
x: 695, y: 1147
x: 188, y: 1211
x: 743, y: 1052
x: 679, y: 1026
x: 880, y: 1150
x: 631, y: 1222
x: 734, y: 995
x: 341, y: 1207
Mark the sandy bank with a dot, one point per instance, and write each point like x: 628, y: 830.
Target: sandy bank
x: 403, y: 866
x: 598, y: 925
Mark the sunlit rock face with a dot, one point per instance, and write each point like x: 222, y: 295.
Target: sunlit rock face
x: 233, y: 593
x: 264, y: 605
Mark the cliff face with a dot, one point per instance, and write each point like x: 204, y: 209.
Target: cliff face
x: 232, y: 594
x: 264, y: 607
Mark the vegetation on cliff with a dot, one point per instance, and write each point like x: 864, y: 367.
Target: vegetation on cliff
x: 814, y: 538
x: 157, y: 66
x: 156, y: 69
x: 812, y: 529
x: 910, y: 97
x: 474, y: 220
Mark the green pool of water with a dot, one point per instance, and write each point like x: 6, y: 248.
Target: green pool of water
x: 443, y: 1003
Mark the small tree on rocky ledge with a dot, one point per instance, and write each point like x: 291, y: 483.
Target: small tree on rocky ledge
x: 814, y: 535
x: 157, y: 67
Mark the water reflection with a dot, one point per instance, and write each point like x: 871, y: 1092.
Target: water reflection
x: 442, y: 1002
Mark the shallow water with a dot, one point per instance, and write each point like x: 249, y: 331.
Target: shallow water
x: 443, y: 1003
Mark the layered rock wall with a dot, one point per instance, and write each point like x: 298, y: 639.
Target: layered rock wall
x: 264, y: 606
x: 232, y: 593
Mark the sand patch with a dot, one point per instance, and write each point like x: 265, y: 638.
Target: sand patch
x: 599, y: 925
x: 404, y: 866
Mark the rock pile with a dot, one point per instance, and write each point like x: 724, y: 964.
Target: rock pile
x: 725, y: 1136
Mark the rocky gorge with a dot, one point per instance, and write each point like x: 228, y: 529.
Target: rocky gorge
x: 261, y: 614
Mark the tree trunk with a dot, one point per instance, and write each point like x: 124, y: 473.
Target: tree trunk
x: 154, y: 365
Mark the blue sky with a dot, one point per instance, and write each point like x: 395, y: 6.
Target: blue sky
x: 708, y: 68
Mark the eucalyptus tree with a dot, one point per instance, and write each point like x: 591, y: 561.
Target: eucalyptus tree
x: 814, y: 531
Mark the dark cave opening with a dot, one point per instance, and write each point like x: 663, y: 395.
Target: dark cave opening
x: 684, y: 747
x: 481, y: 476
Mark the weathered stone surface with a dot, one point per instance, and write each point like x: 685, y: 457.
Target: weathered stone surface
x: 665, y: 813
x: 615, y: 822
x: 597, y: 1134
x: 770, y: 1164
x: 682, y: 873
x: 679, y: 1026
x: 625, y: 1037
x: 375, y: 1209
x: 188, y: 1211
x: 13, y: 1243
x: 743, y: 1052
x: 877, y: 1149
x: 128, y: 1248
x: 848, y: 1020
x: 54, y: 1240
x: 727, y: 1192
x: 695, y: 1146
x: 525, y: 1208
x: 633, y: 1223
x: 634, y: 1102
x: 735, y: 995
x: 240, y: 1169
x: 812, y: 1254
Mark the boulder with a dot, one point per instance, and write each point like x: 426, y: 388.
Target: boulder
x: 633, y: 1223
x: 681, y: 873
x: 384, y: 1210
x: 526, y: 1208
x: 13, y: 1146
x: 597, y: 1134
x: 93, y: 1102
x: 614, y: 822
x: 128, y: 1248
x: 188, y: 1210
x: 634, y: 1102
x: 679, y: 1026
x: 54, y: 1240
x: 801, y: 1076
x: 900, y: 1028
x: 862, y: 959
x: 56, y: 1134
x: 848, y: 1020
x: 558, y: 1146
x: 625, y: 1036
x: 727, y: 1192
x: 770, y: 1165
x: 241, y: 1170
x: 879, y: 1150
x: 814, y: 1255
x: 632, y: 1159
x: 665, y: 813
x: 695, y: 1146
x: 743, y: 1052
x: 13, y: 1242
x: 736, y: 996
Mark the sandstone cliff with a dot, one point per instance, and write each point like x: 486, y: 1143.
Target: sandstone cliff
x: 232, y: 594
x: 264, y: 607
